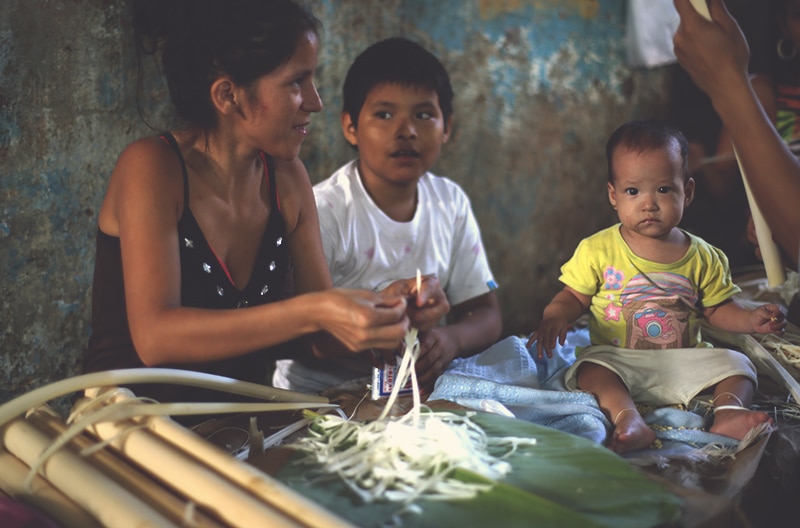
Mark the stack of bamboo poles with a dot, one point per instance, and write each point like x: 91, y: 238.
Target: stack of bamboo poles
x: 142, y: 471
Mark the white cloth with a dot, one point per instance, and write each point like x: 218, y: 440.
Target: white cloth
x: 649, y: 29
x: 367, y: 249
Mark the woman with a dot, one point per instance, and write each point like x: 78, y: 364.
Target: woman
x: 208, y: 248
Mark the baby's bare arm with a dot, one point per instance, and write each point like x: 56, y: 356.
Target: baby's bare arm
x: 733, y: 317
x: 562, y: 311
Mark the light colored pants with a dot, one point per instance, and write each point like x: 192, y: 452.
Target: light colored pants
x: 665, y: 377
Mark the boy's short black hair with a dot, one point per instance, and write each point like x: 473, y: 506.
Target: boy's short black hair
x: 395, y: 60
x: 645, y: 135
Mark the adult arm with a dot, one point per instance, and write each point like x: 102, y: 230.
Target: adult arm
x: 142, y: 207
x: 715, y: 54
x: 345, y: 332
x: 719, y: 175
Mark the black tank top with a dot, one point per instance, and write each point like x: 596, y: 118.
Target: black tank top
x: 205, y: 283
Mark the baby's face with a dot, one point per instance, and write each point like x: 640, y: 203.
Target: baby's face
x: 399, y: 134
x: 649, y: 190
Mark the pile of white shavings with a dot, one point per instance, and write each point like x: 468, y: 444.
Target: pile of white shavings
x: 402, y: 459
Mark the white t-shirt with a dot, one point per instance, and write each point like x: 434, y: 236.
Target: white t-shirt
x: 367, y: 249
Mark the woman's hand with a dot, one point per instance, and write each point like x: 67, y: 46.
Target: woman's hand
x: 714, y: 53
x: 362, y: 319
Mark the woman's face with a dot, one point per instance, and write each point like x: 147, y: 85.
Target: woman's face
x: 281, y: 102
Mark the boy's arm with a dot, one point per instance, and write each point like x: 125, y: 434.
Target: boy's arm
x: 732, y: 317
x: 476, y: 324
x: 562, y: 311
x: 473, y: 326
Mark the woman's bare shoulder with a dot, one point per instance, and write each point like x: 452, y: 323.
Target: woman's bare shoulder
x: 294, y: 191
x: 147, y: 170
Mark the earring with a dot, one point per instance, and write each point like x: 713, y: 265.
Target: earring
x: 782, y: 53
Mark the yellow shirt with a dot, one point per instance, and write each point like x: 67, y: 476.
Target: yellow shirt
x: 636, y: 303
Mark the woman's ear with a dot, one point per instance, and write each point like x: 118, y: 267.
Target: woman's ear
x: 224, y: 96
x: 349, y: 128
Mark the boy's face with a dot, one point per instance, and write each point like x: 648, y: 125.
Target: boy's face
x: 399, y: 134
x: 649, y: 190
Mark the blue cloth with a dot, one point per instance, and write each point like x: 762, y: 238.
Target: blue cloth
x: 532, y: 389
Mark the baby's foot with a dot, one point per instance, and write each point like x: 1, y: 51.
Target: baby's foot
x: 630, y: 433
x: 736, y: 423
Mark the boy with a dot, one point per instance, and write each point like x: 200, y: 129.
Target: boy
x: 383, y: 216
x: 647, y: 284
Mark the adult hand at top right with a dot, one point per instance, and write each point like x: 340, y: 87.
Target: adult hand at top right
x: 361, y: 319
x: 714, y: 53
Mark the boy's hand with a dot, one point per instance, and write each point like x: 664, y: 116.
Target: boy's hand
x: 768, y: 319
x: 436, y: 351
x: 427, y: 306
x: 550, y: 330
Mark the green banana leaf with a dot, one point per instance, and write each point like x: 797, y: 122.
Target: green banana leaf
x: 562, y: 481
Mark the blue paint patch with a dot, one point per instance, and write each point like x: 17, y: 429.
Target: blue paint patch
x: 544, y: 33
x: 67, y: 308
x: 108, y: 91
x: 9, y: 128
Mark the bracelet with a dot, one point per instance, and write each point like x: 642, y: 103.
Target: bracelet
x: 730, y: 407
x: 623, y: 411
x: 732, y: 395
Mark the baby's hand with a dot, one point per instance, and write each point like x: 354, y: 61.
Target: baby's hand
x: 545, y: 336
x: 768, y: 319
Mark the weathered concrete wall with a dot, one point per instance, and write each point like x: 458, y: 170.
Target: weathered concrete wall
x: 539, y: 85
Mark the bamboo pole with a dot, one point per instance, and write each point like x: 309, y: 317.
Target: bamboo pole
x: 131, y: 478
x: 773, y: 263
x: 250, y: 478
x: 41, y: 494
x: 195, y: 481
x: 111, y: 504
x: 114, y: 378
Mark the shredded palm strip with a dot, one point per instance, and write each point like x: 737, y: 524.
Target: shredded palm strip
x: 415, y: 456
x: 786, y: 349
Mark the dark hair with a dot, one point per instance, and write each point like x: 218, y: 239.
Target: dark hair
x: 782, y: 70
x: 199, y: 40
x: 643, y: 136
x: 395, y: 60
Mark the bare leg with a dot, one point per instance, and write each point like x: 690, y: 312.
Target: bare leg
x: 630, y: 431
x: 735, y: 422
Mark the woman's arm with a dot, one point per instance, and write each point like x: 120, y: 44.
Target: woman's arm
x: 715, y: 54
x: 718, y: 175
x: 356, y: 317
x: 142, y: 206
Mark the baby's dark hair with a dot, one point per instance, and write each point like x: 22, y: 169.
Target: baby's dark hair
x: 643, y: 136
x: 395, y: 60
x: 199, y: 40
